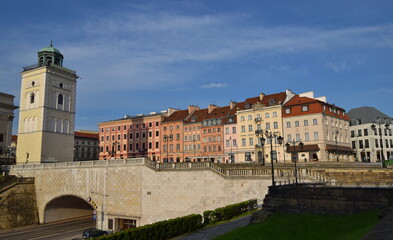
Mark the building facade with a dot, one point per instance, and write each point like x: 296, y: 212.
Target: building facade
x: 86, y: 145
x: 261, y: 113
x: 131, y: 136
x: 367, y: 142
x: 7, y: 108
x: 47, y: 111
x: 323, y: 128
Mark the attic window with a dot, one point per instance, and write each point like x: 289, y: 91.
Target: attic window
x: 247, y: 106
x: 194, y: 118
x: 230, y: 119
x: 305, y: 108
x: 272, y: 102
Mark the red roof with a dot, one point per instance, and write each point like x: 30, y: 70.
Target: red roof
x: 85, y: 135
x: 177, y: 116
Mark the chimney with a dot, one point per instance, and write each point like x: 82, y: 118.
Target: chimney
x: 232, y: 104
x: 171, y: 110
x: 261, y: 95
x: 192, y: 108
x: 211, y: 107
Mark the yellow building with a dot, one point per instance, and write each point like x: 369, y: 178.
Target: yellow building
x: 261, y: 113
x: 47, y: 110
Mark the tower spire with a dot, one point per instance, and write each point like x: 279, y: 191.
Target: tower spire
x: 51, y: 43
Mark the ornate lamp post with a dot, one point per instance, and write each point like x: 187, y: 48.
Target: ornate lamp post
x: 380, y: 124
x: 287, y: 145
x: 269, y: 135
x: 167, y: 139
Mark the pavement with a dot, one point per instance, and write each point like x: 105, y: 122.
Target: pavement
x: 383, y: 230
x: 212, y: 232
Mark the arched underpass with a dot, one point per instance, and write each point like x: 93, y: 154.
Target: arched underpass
x: 67, y: 207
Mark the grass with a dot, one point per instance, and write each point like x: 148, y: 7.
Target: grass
x: 307, y: 227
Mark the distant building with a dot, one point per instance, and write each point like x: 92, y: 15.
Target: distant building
x: 131, y: 136
x: 322, y: 127
x: 86, y: 145
x: 7, y: 108
x: 366, y: 142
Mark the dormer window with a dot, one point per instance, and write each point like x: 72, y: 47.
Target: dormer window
x: 272, y: 102
x: 305, y: 108
x: 247, y: 106
x: 194, y: 118
x: 287, y: 110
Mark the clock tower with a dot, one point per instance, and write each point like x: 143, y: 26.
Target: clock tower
x: 47, y: 110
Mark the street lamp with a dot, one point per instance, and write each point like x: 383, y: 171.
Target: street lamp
x: 287, y: 145
x: 336, y: 146
x: 269, y: 135
x: 374, y: 128
x: 167, y: 139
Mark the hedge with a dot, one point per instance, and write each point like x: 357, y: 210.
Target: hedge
x: 228, y: 212
x: 160, y: 230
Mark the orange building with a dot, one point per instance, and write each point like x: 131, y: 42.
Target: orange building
x: 131, y: 136
x: 192, y: 135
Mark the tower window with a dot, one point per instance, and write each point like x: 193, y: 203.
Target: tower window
x: 61, y: 85
x: 32, y: 98
x: 60, y: 99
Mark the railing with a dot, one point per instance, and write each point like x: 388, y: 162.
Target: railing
x: 97, y: 163
x: 231, y: 170
x: 10, y: 181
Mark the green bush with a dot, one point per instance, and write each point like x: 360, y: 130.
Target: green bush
x: 228, y: 212
x: 209, y: 216
x: 160, y: 230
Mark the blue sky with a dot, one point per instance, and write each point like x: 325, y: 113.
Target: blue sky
x: 143, y: 56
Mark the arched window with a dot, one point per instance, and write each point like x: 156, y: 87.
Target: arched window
x: 32, y: 98
x: 60, y: 99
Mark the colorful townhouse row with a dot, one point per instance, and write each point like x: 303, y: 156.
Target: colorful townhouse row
x: 228, y: 134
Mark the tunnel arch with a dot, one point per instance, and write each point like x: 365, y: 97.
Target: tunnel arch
x: 67, y: 207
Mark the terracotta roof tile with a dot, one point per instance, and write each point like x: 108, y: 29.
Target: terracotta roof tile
x: 86, y: 135
x: 177, y: 116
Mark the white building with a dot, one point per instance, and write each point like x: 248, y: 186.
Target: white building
x: 369, y: 142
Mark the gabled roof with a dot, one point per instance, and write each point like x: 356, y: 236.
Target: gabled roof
x: 268, y: 100
x: 219, y: 112
x: 297, y: 100
x: 177, y: 116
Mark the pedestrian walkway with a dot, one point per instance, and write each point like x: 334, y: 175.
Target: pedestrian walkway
x: 212, y: 232
x: 383, y: 230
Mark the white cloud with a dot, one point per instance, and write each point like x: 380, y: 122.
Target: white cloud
x: 214, y: 85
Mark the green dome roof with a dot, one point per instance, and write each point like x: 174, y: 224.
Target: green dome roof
x: 50, y: 49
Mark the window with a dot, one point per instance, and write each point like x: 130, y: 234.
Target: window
x: 266, y: 115
x: 118, y: 137
x: 1, y: 137
x: 243, y: 128
x: 359, y: 132
x: 360, y: 143
x: 274, y: 114
x: 315, y: 121
x: 250, y: 128
x: 150, y: 124
x: 243, y: 142
x: 125, y: 147
x: 288, y: 124
x: 352, y: 133
x: 125, y: 136
x: 376, y: 143
x: 251, y: 141
x: 275, y: 125
x: 315, y: 135
x: 136, y: 135
x: 242, y: 118
x: 249, y: 117
x: 130, y: 135
x: 305, y: 108
x: 124, y: 127
x: 60, y: 99
x: 227, y: 130
x: 297, y: 136
x: 367, y: 144
x: 157, y: 144
x: 305, y: 122
x: 227, y: 143
x: 306, y: 137
x: 233, y: 129
x: 267, y: 126
x: 289, y: 137
x: 287, y: 110
x: 234, y: 142
x: 297, y: 124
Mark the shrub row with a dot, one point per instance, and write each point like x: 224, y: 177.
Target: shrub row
x: 228, y: 212
x: 160, y: 230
